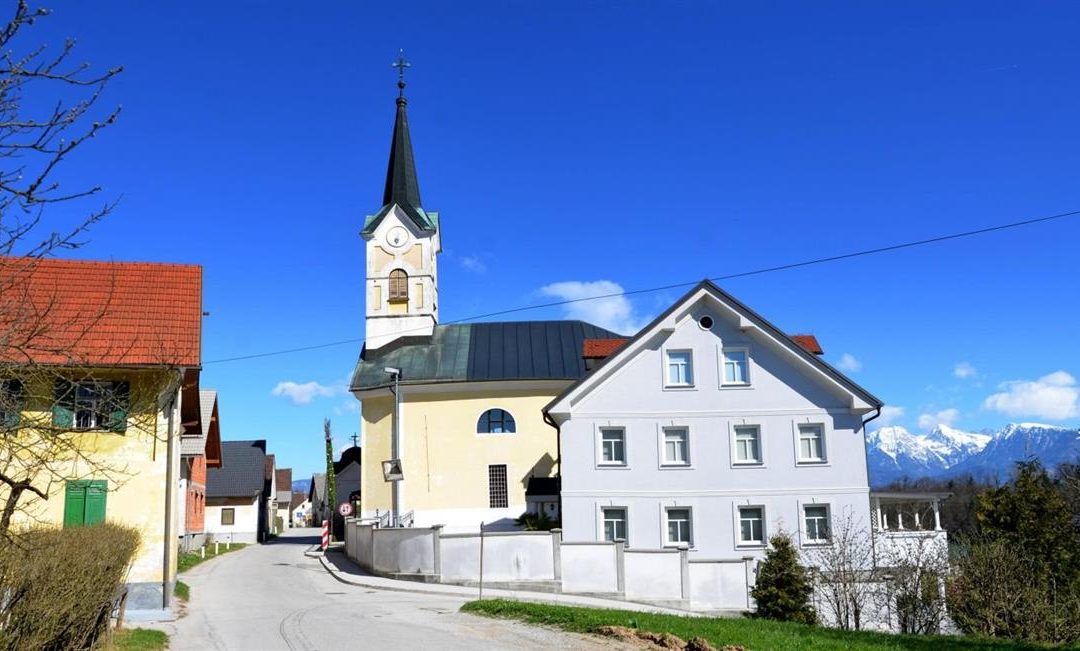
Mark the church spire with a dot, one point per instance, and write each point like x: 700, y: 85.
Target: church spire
x: 402, y: 188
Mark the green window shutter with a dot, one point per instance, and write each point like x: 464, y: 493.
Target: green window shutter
x: 118, y: 415
x: 11, y: 403
x: 96, y: 492
x: 75, y: 503
x: 64, y: 405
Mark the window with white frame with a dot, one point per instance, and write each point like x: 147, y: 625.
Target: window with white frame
x: 680, y: 368
x: 751, y: 525
x: 679, y: 527
x: 736, y: 366
x: 811, y: 443
x: 614, y: 523
x: 676, y: 446
x: 816, y: 528
x: 747, y: 444
x: 612, y: 446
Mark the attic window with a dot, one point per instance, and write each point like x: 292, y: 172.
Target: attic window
x: 399, y: 286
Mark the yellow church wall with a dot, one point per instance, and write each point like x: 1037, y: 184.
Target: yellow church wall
x: 135, y: 465
x: 444, y: 459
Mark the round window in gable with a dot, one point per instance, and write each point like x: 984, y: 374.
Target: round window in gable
x: 706, y: 322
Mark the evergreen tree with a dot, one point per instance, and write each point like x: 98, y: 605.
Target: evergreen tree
x: 783, y: 587
x: 1031, y: 515
x: 331, y: 497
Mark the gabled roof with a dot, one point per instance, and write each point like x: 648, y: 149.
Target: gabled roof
x: 748, y: 318
x: 809, y: 342
x: 90, y: 313
x: 317, y: 490
x: 298, y: 498
x: 480, y: 352
x: 402, y: 187
x: 242, y: 472
x: 600, y: 348
x: 283, y: 479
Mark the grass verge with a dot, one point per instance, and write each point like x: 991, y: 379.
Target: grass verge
x: 755, y: 634
x: 139, y: 639
x: 182, y: 591
x: 191, y: 559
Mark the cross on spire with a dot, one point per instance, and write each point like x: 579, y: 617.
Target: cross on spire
x: 401, y: 64
x: 355, y: 440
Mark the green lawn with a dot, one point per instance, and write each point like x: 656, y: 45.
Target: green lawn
x: 139, y: 639
x: 754, y: 634
x: 191, y: 559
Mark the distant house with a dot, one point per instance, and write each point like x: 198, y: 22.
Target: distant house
x: 101, y: 356
x: 236, y: 494
x: 712, y: 429
x: 542, y: 497
x: 200, y: 447
x: 320, y: 507
x: 270, y: 490
x: 283, y: 497
x: 300, y: 510
x: 346, y: 485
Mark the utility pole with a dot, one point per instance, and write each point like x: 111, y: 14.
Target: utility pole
x: 395, y: 446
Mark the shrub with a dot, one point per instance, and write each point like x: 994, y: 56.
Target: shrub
x: 783, y: 587
x: 57, y: 585
x: 536, y: 522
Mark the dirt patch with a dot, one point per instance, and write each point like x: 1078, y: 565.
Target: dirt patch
x: 665, y: 641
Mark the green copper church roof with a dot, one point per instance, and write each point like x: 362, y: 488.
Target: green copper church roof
x: 402, y: 187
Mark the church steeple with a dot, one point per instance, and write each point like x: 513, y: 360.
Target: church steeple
x: 402, y: 242
x: 402, y: 188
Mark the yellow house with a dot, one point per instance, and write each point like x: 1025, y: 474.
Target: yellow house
x: 470, y: 431
x: 100, y: 366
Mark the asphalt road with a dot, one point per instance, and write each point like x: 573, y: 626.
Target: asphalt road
x: 268, y: 597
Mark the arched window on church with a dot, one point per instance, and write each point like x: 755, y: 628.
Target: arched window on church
x: 496, y: 421
x: 399, y: 286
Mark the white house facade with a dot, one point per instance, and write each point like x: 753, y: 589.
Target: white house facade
x: 712, y: 429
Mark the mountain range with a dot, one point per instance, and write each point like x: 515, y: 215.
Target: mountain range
x: 895, y: 453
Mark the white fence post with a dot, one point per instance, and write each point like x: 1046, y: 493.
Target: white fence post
x: 436, y: 542
x: 620, y: 567
x: 556, y: 554
x: 684, y: 567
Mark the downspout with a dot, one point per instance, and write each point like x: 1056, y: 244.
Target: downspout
x: 866, y: 462
x: 167, y: 561
x: 558, y: 458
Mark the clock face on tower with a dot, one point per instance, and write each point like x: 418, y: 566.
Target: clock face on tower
x: 397, y: 237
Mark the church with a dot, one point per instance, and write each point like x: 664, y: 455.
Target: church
x: 452, y: 413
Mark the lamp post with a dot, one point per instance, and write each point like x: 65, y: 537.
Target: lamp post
x: 395, y: 445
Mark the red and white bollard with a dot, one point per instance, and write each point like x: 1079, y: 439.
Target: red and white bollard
x: 325, y: 534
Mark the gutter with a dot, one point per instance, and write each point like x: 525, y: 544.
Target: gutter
x: 866, y: 464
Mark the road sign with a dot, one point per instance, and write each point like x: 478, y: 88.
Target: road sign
x: 345, y: 509
x: 391, y: 470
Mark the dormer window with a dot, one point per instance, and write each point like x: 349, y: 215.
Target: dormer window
x: 399, y: 286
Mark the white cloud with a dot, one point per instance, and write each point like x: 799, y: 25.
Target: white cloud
x: 943, y: 417
x: 473, y: 263
x: 303, y: 394
x: 349, y: 406
x: 1052, y: 397
x: 849, y: 363
x: 614, y: 311
x: 964, y: 371
x: 889, y: 415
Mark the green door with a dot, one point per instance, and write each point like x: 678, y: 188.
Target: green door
x: 84, y: 502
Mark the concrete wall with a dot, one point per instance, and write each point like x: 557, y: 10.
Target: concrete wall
x: 654, y: 575
x: 590, y: 567
x: 783, y: 393
x: 541, y: 561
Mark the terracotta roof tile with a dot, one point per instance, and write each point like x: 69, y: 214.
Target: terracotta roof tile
x: 600, y: 348
x: 79, y: 312
x: 808, y: 342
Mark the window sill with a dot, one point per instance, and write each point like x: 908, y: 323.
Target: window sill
x: 676, y: 466
x: 612, y: 466
x: 737, y: 386
x: 812, y: 462
x: 748, y: 464
x: 746, y: 545
x: 817, y: 543
x: 680, y: 387
x: 397, y: 301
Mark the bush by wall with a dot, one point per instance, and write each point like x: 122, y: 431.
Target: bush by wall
x: 57, y: 585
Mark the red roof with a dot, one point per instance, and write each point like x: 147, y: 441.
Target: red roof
x: 600, y: 348
x: 80, y: 312
x: 809, y: 342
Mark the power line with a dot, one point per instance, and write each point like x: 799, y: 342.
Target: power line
x: 743, y: 274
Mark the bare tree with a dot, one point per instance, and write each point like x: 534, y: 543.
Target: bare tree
x: 915, y: 573
x: 844, y: 572
x: 52, y: 399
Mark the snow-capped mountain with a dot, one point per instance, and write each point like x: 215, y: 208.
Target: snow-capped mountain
x: 894, y: 453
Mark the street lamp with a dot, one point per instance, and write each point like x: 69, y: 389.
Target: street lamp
x: 395, y: 446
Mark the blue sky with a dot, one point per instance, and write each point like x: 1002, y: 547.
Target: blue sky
x: 628, y: 144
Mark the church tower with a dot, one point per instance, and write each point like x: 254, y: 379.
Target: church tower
x: 402, y: 241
